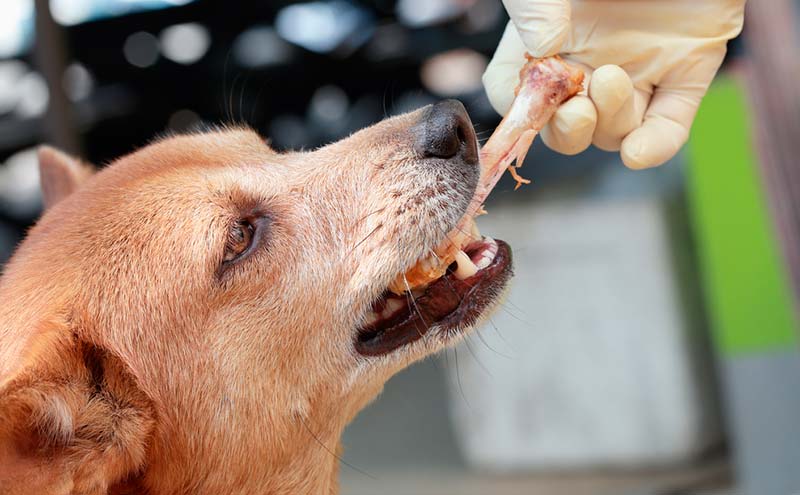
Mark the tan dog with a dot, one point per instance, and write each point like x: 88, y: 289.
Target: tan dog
x: 206, y: 315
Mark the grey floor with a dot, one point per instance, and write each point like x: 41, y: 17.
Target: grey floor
x: 405, y: 444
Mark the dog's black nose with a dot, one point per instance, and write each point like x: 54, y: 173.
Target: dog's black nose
x: 445, y: 131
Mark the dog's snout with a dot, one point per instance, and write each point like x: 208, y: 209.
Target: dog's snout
x: 446, y: 132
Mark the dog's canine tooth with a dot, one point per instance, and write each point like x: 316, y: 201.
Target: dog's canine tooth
x: 465, y: 267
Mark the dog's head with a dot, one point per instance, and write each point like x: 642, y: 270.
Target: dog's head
x: 219, y: 299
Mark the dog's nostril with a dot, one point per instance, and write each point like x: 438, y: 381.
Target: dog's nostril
x: 446, y: 131
x: 460, y: 134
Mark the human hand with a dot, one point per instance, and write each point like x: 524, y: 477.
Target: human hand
x: 648, y: 64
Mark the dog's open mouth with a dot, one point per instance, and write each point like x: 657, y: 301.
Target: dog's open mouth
x: 450, y: 287
x: 453, y: 301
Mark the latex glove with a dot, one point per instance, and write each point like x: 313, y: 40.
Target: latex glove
x: 648, y: 64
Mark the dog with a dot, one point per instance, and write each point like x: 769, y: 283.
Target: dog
x: 206, y: 315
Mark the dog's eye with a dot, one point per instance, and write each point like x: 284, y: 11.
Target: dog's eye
x: 240, y: 237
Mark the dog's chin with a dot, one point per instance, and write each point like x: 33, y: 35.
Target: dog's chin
x: 442, y: 310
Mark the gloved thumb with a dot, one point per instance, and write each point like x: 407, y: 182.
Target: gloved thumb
x: 543, y: 25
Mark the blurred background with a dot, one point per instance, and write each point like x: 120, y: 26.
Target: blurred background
x: 650, y: 342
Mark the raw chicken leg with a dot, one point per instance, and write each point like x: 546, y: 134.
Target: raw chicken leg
x: 544, y: 84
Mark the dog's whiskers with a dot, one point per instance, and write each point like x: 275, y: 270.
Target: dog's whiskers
x: 497, y: 330
x: 368, y: 215
x: 416, y: 308
x: 486, y: 343
x: 505, y: 308
x: 225, y: 83
x: 447, y: 234
x: 516, y: 307
x: 230, y: 110
x: 325, y: 447
x: 458, y: 379
x: 475, y: 356
x: 242, y: 91
x: 255, y: 105
x: 447, y: 280
x: 377, y: 228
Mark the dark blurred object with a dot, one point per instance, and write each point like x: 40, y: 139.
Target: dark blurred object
x: 771, y: 73
x: 51, y: 57
x: 8, y: 239
x: 101, y: 78
x: 767, y: 439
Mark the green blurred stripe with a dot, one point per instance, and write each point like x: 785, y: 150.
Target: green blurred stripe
x: 745, y: 281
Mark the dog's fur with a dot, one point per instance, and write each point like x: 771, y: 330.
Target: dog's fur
x: 133, y: 360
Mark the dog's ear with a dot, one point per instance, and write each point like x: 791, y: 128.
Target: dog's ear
x: 60, y: 174
x: 72, y: 422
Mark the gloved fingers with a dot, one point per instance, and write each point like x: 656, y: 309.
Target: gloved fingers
x: 663, y: 132
x: 609, y: 88
x: 670, y: 114
x: 543, y: 25
x: 655, y: 142
x: 571, y: 128
x: 630, y: 117
x: 502, y: 74
x: 612, y: 93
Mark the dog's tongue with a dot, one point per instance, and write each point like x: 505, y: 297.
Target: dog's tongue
x: 544, y: 84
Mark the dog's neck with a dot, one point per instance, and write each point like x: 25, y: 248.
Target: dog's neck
x: 254, y: 451
x: 305, y: 460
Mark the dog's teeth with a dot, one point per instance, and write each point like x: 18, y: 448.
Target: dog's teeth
x: 465, y: 268
x: 484, y: 262
x: 487, y: 254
